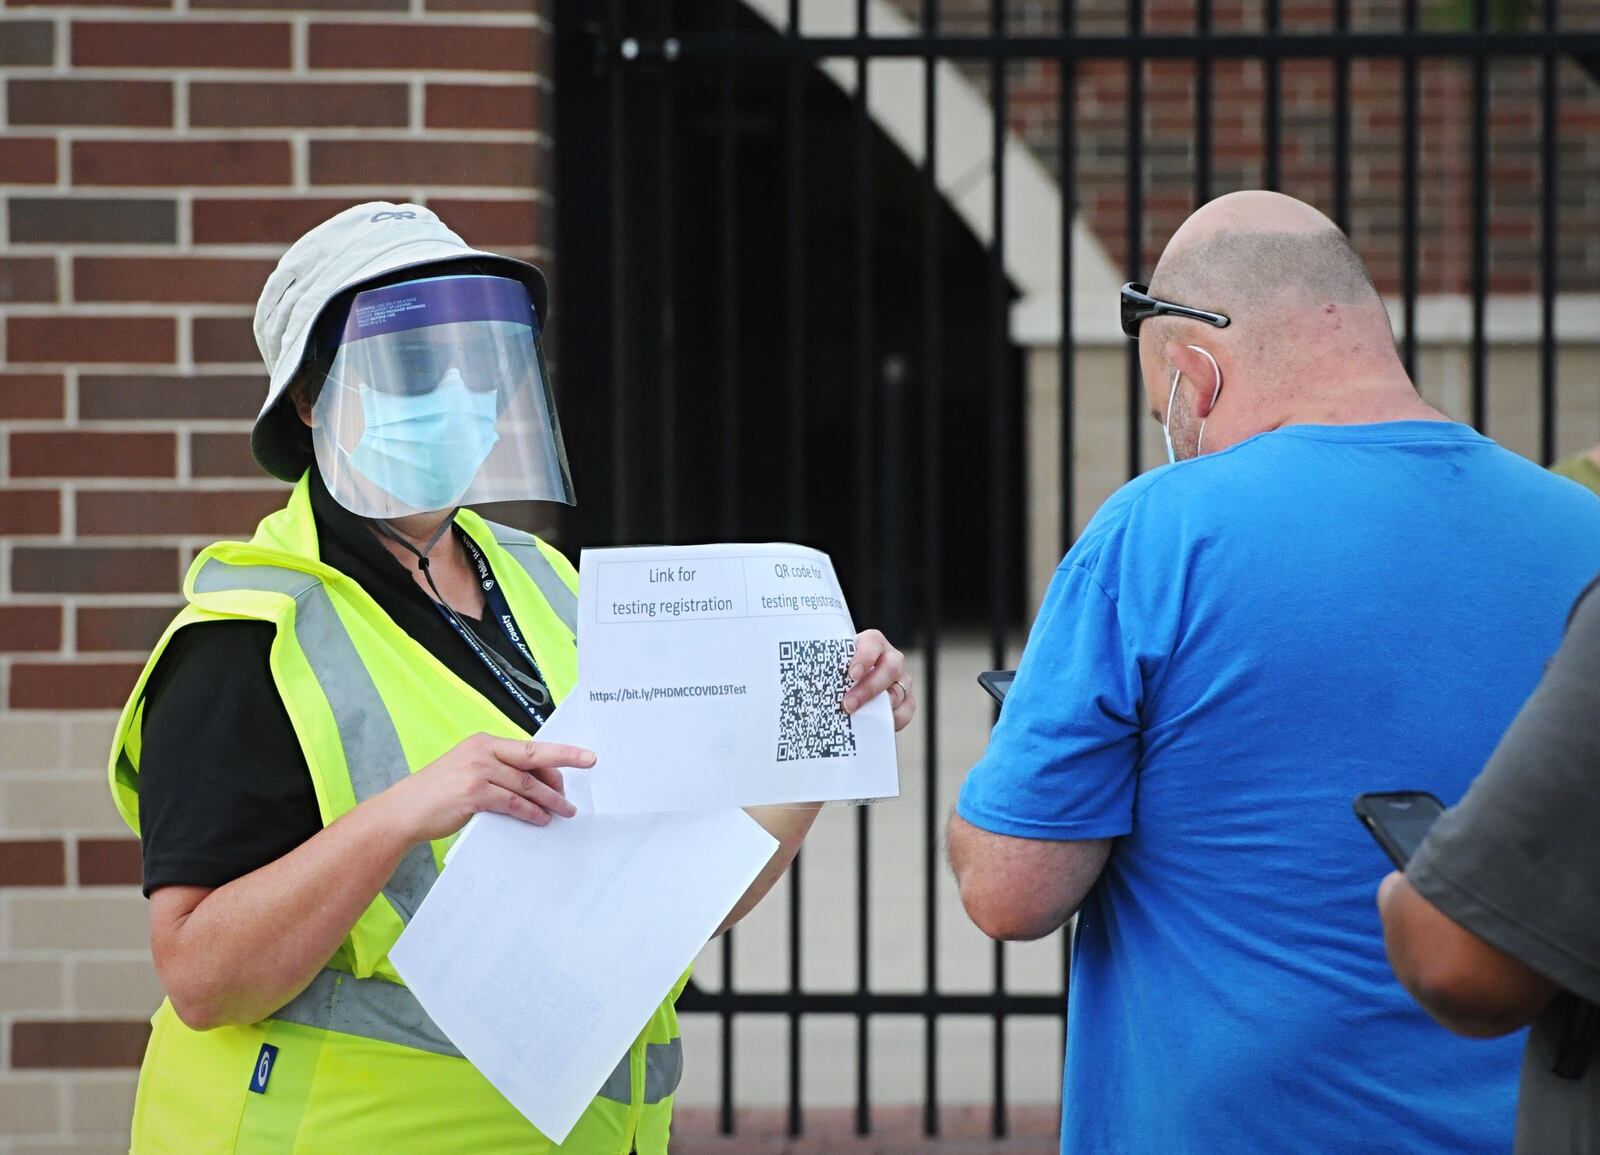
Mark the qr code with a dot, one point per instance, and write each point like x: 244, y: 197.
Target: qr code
x: 811, y: 718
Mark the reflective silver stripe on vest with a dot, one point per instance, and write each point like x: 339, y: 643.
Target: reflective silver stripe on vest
x: 525, y: 551
x: 663, y: 1068
x: 374, y: 1008
x: 372, y: 750
x: 370, y: 1008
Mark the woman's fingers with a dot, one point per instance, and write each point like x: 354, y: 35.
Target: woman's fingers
x: 905, y: 709
x: 528, y: 785
x: 508, y: 802
x: 534, y: 755
x: 875, y: 668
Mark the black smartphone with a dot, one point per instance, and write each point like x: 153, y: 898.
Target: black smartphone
x: 997, y: 682
x: 1399, y: 820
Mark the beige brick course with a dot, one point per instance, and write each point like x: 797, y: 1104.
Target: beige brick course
x: 101, y: 1104
x: 32, y: 985
x: 77, y: 922
x: 71, y: 1148
x: 29, y: 743
x: 29, y: 1106
x: 115, y: 987
x: 88, y: 741
x: 79, y: 801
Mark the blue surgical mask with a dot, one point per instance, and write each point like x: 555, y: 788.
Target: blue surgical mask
x: 425, y: 449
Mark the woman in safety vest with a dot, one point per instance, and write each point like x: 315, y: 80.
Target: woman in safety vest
x: 344, y: 691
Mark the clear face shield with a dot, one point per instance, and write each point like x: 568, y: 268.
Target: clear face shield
x: 438, y: 397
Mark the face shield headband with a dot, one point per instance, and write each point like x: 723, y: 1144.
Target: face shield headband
x: 438, y: 397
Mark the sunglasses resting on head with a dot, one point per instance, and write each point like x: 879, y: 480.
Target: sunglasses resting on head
x: 1139, y: 305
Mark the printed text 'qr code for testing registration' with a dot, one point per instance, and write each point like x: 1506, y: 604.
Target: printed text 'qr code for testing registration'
x: 811, y: 718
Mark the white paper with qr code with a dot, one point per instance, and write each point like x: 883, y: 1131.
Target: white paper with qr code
x: 714, y: 675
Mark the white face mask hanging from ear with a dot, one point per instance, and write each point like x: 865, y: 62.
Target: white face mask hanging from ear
x: 1166, y: 424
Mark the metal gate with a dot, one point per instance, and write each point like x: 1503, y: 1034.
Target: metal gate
x: 770, y: 323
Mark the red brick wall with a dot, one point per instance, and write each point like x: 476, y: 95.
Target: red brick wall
x: 153, y: 165
x: 1307, y: 86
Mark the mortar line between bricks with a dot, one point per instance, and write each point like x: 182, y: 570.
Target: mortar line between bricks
x: 69, y: 850
x: 63, y: 39
x: 333, y: 18
x: 299, y: 45
x: 300, y: 162
x: 184, y: 354
x: 267, y: 251
x: 243, y: 75
x: 183, y: 224
x: 241, y: 424
x: 267, y: 134
x: 180, y: 104
x: 93, y: 309
x: 69, y: 398
x: 69, y: 512
x: 95, y: 601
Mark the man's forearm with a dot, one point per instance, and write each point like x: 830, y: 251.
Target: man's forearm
x: 1465, y: 984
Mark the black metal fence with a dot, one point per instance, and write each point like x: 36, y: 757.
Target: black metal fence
x: 770, y: 323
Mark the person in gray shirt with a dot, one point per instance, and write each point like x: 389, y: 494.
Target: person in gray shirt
x: 1493, y: 924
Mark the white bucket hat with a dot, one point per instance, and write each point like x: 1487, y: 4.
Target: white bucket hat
x: 339, y: 256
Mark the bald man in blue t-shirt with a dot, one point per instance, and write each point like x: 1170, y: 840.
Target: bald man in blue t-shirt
x: 1335, y: 589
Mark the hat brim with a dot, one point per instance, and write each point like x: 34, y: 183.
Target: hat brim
x: 279, y: 439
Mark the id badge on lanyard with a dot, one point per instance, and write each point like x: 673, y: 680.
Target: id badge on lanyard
x: 500, y: 609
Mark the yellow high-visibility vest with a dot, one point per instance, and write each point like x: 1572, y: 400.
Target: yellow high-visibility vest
x: 353, y: 1064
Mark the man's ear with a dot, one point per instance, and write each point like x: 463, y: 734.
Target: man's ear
x: 1202, y: 368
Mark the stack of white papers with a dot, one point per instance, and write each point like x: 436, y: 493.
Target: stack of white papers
x: 709, y: 680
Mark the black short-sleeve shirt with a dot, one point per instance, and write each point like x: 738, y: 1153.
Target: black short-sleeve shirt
x: 223, y: 786
x: 1517, y: 862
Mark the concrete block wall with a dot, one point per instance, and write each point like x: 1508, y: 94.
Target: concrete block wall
x: 155, y: 159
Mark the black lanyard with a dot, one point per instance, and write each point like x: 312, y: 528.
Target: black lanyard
x: 500, y: 610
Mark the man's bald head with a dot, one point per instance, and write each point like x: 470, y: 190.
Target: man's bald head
x: 1252, y: 255
x: 1309, y: 334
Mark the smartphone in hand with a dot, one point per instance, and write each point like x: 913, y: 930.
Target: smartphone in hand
x: 1399, y: 821
x: 997, y: 682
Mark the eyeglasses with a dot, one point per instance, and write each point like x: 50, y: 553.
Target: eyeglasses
x: 1138, y: 304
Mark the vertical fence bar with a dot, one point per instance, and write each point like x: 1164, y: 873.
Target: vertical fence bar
x: 1341, y: 122
x: 1408, y: 191
x: 1000, y: 455
x: 1135, y: 218
x: 1480, y: 218
x: 1202, y: 105
x: 727, y: 337
x: 932, y: 558
x: 864, y: 392
x: 1549, y: 255
x: 1272, y: 97
x: 1067, y: 177
x: 622, y: 363
x: 794, y: 456
x: 666, y: 308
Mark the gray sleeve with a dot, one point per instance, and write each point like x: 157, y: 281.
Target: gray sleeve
x: 1518, y: 861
